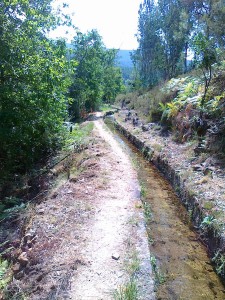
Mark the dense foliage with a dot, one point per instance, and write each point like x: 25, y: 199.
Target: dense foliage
x: 179, y: 69
x: 33, y: 81
x: 40, y: 78
x: 168, y: 31
x: 96, y: 78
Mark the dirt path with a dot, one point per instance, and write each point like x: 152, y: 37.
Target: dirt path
x: 88, y: 238
x: 117, y: 236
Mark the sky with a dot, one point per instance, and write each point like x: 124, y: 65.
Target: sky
x: 115, y: 20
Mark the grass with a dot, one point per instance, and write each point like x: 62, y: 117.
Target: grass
x: 4, y: 279
x: 147, y: 211
x: 159, y: 277
x: 157, y: 147
x: 133, y: 221
x: 105, y: 107
x: 12, y: 212
x: 127, y: 292
x: 211, y: 223
x: 143, y: 191
x: 150, y: 240
x: 79, y: 137
x: 135, y: 163
x: 133, y: 265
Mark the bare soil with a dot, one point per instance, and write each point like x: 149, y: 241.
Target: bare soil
x: 203, y: 173
x: 82, y: 240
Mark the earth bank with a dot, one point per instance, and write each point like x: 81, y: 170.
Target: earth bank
x: 197, y: 178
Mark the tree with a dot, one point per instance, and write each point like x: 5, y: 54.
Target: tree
x: 148, y: 59
x: 205, y: 56
x: 34, y: 79
x: 162, y: 40
x: 165, y: 31
x: 112, y: 77
x: 86, y: 88
x: 96, y: 77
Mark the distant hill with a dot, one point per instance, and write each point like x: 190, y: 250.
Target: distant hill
x: 124, y: 61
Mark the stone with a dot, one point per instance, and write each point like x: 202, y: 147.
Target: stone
x: 16, y: 268
x: 197, y: 168
x: 19, y: 275
x: 23, y: 260
x: 41, y: 211
x: 115, y: 256
x: 145, y: 127
x: 208, y: 170
x: 69, y: 192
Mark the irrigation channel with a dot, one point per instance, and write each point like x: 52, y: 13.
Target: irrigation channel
x: 179, y: 261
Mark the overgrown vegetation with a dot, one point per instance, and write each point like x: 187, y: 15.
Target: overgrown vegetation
x: 44, y: 83
x: 187, y: 38
x: 16, y: 212
x: 219, y: 260
x: 96, y: 79
x: 4, y: 279
x: 177, y: 105
x: 168, y: 31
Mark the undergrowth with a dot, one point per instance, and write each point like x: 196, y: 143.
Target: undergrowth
x: 75, y: 141
x: 14, y: 208
x: 79, y: 137
x: 177, y: 105
x: 127, y: 291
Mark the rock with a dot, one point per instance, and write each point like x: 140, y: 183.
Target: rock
x: 27, y: 238
x: 115, y: 256
x: 69, y: 192
x: 16, y: 268
x: 40, y: 277
x: 205, y: 179
x: 145, y: 127
x: 16, y: 243
x: 208, y: 170
x: 197, y: 168
x: 135, y: 121
x: 73, y: 179
x: 19, y: 275
x: 23, y: 260
x: 41, y: 211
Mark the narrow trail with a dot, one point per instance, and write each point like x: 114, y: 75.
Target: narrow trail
x: 89, y: 238
x: 117, y: 234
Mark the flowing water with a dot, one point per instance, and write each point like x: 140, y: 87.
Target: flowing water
x: 181, y: 266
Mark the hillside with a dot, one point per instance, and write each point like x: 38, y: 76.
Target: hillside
x: 124, y: 61
x: 185, y: 140
x: 176, y: 106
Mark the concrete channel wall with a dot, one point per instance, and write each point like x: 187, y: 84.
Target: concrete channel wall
x: 215, y: 243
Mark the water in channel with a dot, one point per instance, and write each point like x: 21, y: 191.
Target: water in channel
x: 182, y: 268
